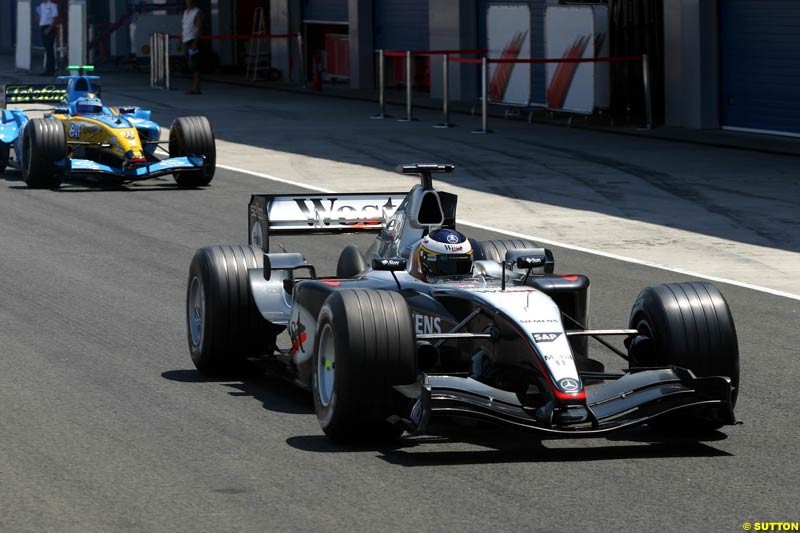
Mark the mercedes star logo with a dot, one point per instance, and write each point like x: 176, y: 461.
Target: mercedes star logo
x: 568, y: 385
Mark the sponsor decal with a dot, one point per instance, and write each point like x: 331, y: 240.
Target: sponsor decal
x: 297, y: 333
x: 452, y: 239
x: 538, y: 321
x: 569, y: 385
x: 453, y: 248
x: 532, y: 260
x: 257, y: 235
x: 391, y: 263
x: 20, y: 94
x: 74, y: 131
x: 546, y: 337
x: 329, y: 210
x: 425, y: 324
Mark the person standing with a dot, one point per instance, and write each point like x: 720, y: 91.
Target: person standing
x: 47, y: 15
x: 190, y: 37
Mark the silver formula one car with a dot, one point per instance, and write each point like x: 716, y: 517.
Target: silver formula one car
x: 427, y: 323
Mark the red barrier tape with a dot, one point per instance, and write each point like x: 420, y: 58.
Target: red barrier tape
x: 466, y: 60
x: 394, y: 53
x: 618, y: 59
x: 241, y: 37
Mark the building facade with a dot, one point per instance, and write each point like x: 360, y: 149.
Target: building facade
x: 712, y: 63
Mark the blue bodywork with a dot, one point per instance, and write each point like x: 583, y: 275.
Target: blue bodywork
x: 13, y: 121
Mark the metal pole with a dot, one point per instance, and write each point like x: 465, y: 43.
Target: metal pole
x: 166, y: 59
x: 409, y: 84
x: 302, y: 59
x: 381, y: 114
x: 151, y: 61
x: 445, y: 94
x: 648, y: 100
x: 484, y: 97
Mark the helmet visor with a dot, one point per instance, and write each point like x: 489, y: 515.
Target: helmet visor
x: 452, y: 265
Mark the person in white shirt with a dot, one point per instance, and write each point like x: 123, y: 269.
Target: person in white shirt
x: 47, y: 15
x: 190, y: 37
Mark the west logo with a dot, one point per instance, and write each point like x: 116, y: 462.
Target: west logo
x: 317, y: 212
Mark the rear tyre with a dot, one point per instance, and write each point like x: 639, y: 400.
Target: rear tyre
x: 44, y: 143
x: 495, y: 250
x: 193, y: 136
x: 224, y: 327
x: 687, y: 325
x: 365, y: 344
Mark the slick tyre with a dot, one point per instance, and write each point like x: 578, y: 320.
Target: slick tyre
x: 224, y: 326
x: 365, y: 344
x: 4, y: 154
x: 193, y: 136
x: 495, y: 250
x: 687, y: 325
x: 44, y: 143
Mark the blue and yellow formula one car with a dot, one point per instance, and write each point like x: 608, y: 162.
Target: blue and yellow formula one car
x: 81, y: 137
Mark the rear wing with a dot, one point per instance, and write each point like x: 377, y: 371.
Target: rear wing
x: 34, y: 93
x: 290, y: 214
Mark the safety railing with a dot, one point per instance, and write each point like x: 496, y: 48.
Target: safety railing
x: 159, y: 53
x: 159, y: 60
x: 453, y: 56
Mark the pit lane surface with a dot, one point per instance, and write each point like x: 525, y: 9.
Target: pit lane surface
x: 105, y: 425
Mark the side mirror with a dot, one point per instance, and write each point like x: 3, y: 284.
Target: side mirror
x: 531, y: 258
x: 390, y: 264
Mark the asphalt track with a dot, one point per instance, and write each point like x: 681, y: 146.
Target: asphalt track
x: 106, y: 426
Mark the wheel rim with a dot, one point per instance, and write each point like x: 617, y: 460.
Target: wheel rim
x: 326, y: 365
x: 197, y: 311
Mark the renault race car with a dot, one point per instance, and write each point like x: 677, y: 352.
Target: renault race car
x: 81, y: 137
x: 505, y: 339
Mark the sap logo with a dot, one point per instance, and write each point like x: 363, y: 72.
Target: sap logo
x: 427, y: 324
x: 546, y: 337
x: 317, y: 212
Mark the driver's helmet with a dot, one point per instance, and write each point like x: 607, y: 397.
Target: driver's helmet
x: 88, y: 105
x: 444, y: 252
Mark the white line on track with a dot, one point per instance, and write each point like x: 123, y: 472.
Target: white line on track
x: 551, y: 242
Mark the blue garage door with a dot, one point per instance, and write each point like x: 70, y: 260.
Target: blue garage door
x: 401, y: 24
x: 325, y: 11
x: 760, y: 65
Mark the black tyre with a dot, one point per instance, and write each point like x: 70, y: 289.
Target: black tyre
x: 687, y: 325
x: 44, y: 143
x: 495, y: 250
x: 193, y: 136
x: 4, y: 154
x: 365, y: 344
x: 223, y: 324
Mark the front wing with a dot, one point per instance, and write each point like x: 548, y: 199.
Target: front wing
x: 631, y: 400
x: 171, y: 165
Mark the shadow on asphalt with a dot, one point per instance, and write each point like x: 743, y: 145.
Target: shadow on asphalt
x: 77, y: 184
x: 274, y: 393
x: 510, y: 446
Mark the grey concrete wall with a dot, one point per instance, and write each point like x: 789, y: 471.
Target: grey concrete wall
x: 453, y: 26
x: 362, y: 62
x: 691, y: 64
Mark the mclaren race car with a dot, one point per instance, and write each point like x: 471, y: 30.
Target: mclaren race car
x: 83, y: 137
x: 427, y: 322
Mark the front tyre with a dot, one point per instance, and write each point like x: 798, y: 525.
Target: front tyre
x: 686, y: 325
x: 193, y: 137
x: 223, y: 324
x: 44, y: 144
x: 365, y: 345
